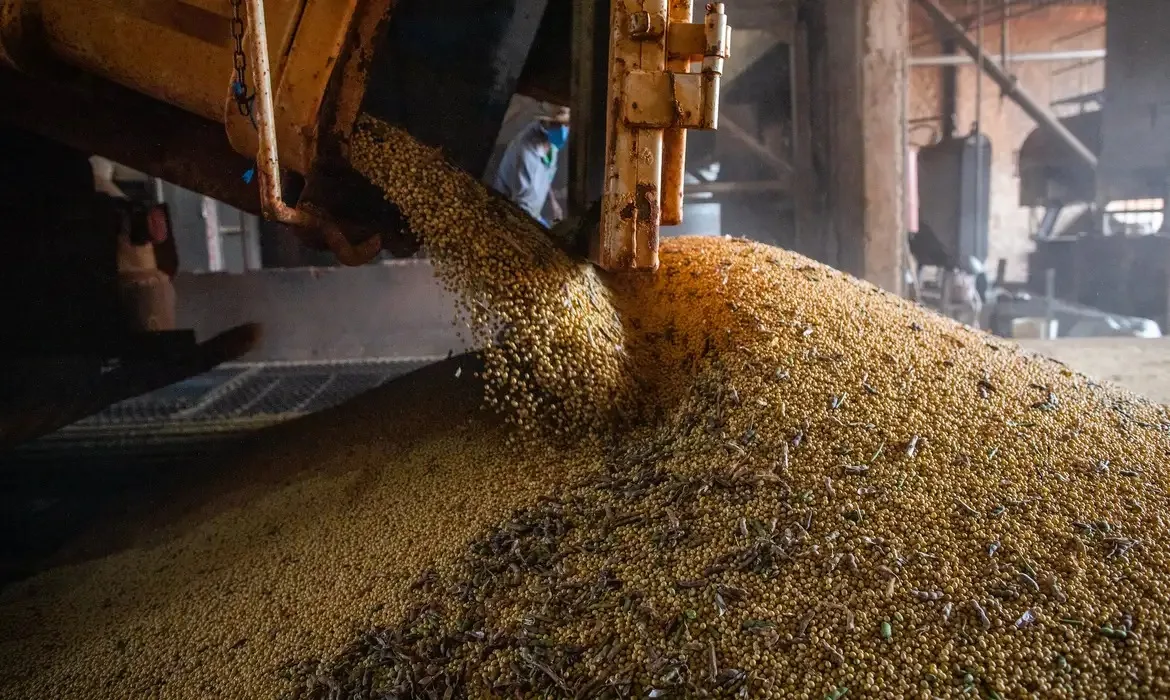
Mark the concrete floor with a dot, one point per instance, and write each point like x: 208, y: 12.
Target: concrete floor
x: 1138, y: 364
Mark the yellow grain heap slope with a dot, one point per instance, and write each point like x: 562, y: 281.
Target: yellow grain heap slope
x: 832, y: 492
x: 841, y: 493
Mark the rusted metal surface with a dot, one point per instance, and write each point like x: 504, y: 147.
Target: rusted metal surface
x: 195, y: 43
x: 650, y: 96
x: 324, y: 58
x: 321, y: 32
x: 634, y: 156
x: 690, y: 101
x: 299, y: 79
x: 347, y: 87
x: 450, y: 91
x: 15, y: 17
x: 181, y: 52
x: 268, y: 160
x: 674, y: 138
x: 718, y: 47
x: 645, y: 107
x: 187, y: 18
x: 333, y: 186
x: 167, y: 49
x: 96, y: 116
x: 685, y: 40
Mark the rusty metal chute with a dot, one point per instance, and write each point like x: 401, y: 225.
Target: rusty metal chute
x: 288, y: 79
x: 167, y: 72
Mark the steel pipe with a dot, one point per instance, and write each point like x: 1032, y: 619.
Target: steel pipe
x: 268, y: 160
x: 674, y: 138
x: 1008, y: 83
x: 745, y: 187
x: 1040, y: 57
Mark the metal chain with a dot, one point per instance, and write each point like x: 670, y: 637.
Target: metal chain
x: 244, y: 99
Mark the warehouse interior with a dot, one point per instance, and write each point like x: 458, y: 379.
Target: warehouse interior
x: 175, y: 293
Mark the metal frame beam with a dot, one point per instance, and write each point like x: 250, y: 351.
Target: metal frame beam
x: 590, y: 80
x: 755, y: 145
x: 1038, y: 57
x: 745, y: 187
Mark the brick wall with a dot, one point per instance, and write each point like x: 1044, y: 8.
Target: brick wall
x: 1062, y: 28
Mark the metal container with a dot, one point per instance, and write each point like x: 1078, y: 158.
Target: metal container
x: 949, y: 177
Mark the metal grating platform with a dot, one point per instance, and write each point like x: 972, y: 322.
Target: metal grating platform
x: 253, y: 390
x: 229, y: 400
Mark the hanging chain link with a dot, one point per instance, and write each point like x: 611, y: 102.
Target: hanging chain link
x: 244, y: 99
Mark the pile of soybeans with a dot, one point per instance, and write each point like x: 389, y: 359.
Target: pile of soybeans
x: 814, y: 490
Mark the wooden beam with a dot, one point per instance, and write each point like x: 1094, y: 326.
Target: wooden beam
x: 755, y: 145
x: 858, y: 51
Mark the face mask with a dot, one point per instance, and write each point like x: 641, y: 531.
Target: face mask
x: 558, y: 135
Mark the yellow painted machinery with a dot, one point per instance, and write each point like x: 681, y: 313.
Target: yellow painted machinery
x: 195, y: 91
x: 655, y: 98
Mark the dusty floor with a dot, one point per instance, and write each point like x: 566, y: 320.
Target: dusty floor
x: 1140, y: 365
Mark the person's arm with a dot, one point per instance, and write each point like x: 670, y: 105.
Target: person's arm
x: 555, y: 206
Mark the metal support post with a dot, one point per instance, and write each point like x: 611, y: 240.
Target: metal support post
x: 654, y: 98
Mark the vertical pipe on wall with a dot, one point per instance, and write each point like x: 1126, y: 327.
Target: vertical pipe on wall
x: 209, y: 208
x: 949, y: 92
x: 978, y: 130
